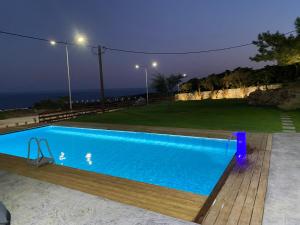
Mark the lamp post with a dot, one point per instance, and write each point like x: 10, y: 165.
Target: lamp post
x: 80, y: 40
x: 69, y: 77
x: 183, y: 76
x: 154, y: 65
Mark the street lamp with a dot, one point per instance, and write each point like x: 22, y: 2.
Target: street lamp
x: 154, y: 65
x: 80, y: 40
x: 178, y: 85
x: 52, y: 42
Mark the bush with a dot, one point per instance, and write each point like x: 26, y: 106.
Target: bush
x: 268, y: 98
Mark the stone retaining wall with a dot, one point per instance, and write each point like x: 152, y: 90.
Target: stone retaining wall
x: 223, y: 94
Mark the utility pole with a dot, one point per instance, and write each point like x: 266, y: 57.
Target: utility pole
x: 101, y: 78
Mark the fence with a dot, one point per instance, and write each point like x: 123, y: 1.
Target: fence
x: 50, y: 117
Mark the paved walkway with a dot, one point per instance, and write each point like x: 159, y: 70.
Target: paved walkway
x: 283, y: 196
x: 35, y: 202
x: 287, y: 124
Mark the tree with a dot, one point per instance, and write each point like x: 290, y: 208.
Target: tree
x: 159, y: 83
x: 166, y: 85
x: 278, y: 47
x: 172, y: 82
x: 213, y: 82
x: 186, y: 87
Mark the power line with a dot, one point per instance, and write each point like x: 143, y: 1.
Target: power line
x: 29, y: 37
x: 177, y: 53
x: 39, y: 38
x: 184, y: 53
x: 136, y: 51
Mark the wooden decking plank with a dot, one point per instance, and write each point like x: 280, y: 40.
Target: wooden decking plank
x: 215, y: 214
x: 214, y: 210
x: 258, y: 208
x: 165, y: 204
x: 231, y: 198
x: 246, y: 214
x: 236, y: 210
x: 171, y: 194
x: 45, y: 174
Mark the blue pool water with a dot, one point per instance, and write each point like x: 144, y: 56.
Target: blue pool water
x: 185, y: 163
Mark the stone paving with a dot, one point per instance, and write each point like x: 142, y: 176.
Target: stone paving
x: 282, y: 206
x: 35, y: 202
x: 287, y: 124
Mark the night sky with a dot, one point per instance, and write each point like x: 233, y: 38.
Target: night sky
x: 153, y: 25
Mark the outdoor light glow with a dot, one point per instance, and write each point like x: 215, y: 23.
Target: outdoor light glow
x: 241, y: 152
x: 80, y: 39
x: 137, y: 66
x: 154, y: 64
x: 184, y: 75
x: 53, y: 42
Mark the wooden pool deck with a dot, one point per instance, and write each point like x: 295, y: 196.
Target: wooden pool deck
x: 242, y: 197
x: 239, y: 201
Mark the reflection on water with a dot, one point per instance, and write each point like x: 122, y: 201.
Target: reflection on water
x: 62, y: 157
x: 88, y: 157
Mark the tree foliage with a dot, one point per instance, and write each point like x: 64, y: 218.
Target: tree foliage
x: 243, y: 77
x: 166, y: 85
x: 279, y: 48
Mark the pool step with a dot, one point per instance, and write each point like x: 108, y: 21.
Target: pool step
x: 41, y: 162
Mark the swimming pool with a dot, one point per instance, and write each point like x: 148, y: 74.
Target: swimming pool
x: 184, y: 163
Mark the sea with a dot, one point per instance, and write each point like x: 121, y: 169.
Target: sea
x: 27, y: 99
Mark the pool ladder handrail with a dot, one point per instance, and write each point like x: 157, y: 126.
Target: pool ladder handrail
x: 229, y: 139
x: 41, y: 159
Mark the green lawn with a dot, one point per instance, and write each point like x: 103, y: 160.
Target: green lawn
x: 207, y: 114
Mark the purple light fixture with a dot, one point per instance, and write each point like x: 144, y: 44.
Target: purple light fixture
x: 241, y: 152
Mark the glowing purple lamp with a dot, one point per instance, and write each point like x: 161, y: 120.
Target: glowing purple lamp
x: 241, y: 152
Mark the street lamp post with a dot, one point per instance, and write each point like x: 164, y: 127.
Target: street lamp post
x: 147, y: 90
x: 80, y: 40
x: 69, y: 77
x: 154, y: 65
x: 178, y: 85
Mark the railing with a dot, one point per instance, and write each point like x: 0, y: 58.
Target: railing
x: 65, y: 115
x: 50, y: 117
x: 41, y: 159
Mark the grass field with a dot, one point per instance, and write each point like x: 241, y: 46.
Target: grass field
x: 208, y: 114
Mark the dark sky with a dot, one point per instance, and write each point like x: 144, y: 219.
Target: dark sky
x: 154, y: 25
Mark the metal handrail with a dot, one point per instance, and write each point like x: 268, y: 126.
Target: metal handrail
x: 40, y: 155
x: 29, y: 147
x: 48, y: 147
x: 229, y: 139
